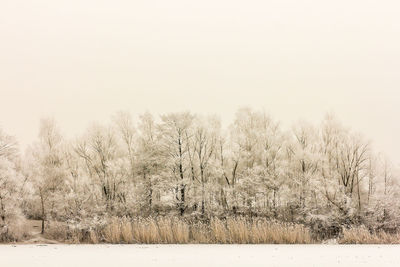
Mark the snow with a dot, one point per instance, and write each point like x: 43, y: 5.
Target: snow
x: 199, y: 255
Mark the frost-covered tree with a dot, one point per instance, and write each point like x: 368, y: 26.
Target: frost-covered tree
x: 323, y: 175
x: 126, y: 131
x: 150, y: 162
x: 11, y: 187
x: 202, y: 155
x: 45, y: 169
x: 105, y: 165
x: 176, y: 132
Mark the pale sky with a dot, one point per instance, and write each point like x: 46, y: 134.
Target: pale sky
x: 83, y: 60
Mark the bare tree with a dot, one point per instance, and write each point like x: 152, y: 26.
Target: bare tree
x: 48, y: 169
x: 175, y: 129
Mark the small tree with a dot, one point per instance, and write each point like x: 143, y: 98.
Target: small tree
x: 46, y: 168
x: 11, y: 183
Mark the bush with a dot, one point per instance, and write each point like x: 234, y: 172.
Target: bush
x: 13, y: 229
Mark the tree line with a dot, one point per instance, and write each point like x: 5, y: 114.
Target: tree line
x: 181, y: 164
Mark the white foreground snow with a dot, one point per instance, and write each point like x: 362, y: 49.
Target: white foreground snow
x: 199, y: 255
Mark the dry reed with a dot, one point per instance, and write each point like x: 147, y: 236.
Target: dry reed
x: 180, y: 231
x: 361, y: 235
x: 170, y: 230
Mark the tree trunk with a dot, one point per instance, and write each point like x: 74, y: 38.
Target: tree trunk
x: 182, y: 202
x: 43, y: 213
x: 358, y: 193
x: 202, y: 199
x: 3, y: 217
x: 202, y: 191
x: 274, y: 204
x: 182, y: 206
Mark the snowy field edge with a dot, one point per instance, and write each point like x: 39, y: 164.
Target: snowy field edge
x: 199, y: 255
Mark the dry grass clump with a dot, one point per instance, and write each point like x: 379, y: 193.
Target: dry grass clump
x: 200, y: 233
x: 112, y: 232
x: 242, y: 231
x: 179, y: 231
x: 56, y: 231
x: 172, y: 231
x: 361, y: 235
x: 146, y: 231
x: 280, y: 233
x: 13, y: 232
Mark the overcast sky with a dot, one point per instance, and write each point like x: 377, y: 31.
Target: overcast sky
x: 80, y: 61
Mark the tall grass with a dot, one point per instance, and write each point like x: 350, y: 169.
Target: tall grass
x: 172, y: 230
x: 179, y: 231
x: 361, y: 235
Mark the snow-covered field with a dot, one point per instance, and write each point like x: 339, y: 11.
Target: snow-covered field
x: 199, y: 255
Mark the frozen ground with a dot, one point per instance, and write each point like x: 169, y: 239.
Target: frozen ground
x: 199, y: 255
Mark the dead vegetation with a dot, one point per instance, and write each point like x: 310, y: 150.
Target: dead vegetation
x: 361, y: 235
x: 166, y: 230
x: 13, y: 233
x: 171, y: 230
